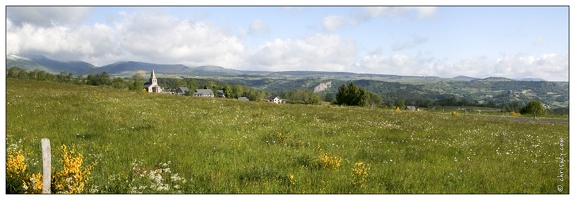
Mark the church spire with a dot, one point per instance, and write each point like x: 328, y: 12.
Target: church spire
x: 153, y: 79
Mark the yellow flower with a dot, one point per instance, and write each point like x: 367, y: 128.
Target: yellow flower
x: 15, y: 165
x: 327, y: 161
x: 32, y: 184
x: 359, y: 173
x: 72, y: 178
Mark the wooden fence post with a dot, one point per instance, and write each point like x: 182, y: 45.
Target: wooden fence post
x: 46, y: 166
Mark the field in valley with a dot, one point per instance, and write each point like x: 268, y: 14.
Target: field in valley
x: 158, y: 143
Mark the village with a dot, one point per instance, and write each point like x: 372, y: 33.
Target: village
x: 152, y: 87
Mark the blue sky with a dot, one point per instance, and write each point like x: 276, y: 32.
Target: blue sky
x: 444, y: 41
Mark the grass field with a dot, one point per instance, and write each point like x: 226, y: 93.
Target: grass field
x: 156, y: 143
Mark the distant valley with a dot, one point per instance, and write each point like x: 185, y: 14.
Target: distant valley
x: 415, y: 90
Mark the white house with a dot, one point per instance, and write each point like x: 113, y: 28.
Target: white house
x: 274, y: 99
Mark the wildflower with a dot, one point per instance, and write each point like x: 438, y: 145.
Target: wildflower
x: 72, y: 178
x: 330, y: 161
x: 15, y: 165
x: 359, y: 173
x: 292, y: 179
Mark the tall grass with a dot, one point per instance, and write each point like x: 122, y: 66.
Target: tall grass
x: 156, y: 143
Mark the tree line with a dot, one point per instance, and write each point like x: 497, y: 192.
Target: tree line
x: 349, y: 94
x: 136, y: 82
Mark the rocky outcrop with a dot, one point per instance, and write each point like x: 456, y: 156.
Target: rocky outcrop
x: 321, y: 87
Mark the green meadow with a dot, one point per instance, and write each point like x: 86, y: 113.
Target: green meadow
x: 159, y: 143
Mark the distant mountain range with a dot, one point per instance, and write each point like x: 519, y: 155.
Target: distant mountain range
x: 128, y: 68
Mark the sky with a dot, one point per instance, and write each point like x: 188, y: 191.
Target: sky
x: 443, y: 41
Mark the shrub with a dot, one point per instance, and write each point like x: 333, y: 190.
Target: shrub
x: 71, y: 180
x: 73, y: 177
x: 534, y: 106
x: 16, y: 179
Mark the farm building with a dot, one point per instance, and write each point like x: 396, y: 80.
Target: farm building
x: 411, y: 108
x: 203, y: 93
x: 221, y: 94
x: 181, y: 90
x: 274, y: 99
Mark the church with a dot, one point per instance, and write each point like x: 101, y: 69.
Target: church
x: 152, y: 84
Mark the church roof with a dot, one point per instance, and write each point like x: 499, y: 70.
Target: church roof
x: 153, y: 74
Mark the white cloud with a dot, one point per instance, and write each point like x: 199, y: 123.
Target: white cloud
x: 550, y: 67
x: 156, y: 37
x: 332, y: 22
x: 319, y: 52
x: 426, y: 12
x: 148, y: 36
x: 258, y: 27
x: 62, y: 42
x: 161, y: 38
x: 47, y: 16
x: 396, y: 13
x: 407, y: 45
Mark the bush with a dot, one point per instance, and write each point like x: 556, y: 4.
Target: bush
x: 534, y: 106
x: 70, y: 180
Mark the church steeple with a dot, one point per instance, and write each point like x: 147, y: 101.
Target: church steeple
x: 152, y: 85
x: 153, y: 79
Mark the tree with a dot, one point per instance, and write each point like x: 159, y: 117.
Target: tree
x: 118, y: 83
x: 104, y: 78
x: 371, y: 99
x: 303, y: 97
x: 99, y: 79
x: 328, y: 97
x: 400, y: 103
x: 237, y: 91
x: 192, y: 84
x: 79, y: 80
x: 354, y: 95
x: 534, y: 106
x: 64, y: 77
x: 137, y: 82
x: 179, y: 82
x: 342, y: 95
x: 33, y: 74
x: 16, y: 72
x: 227, y: 91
